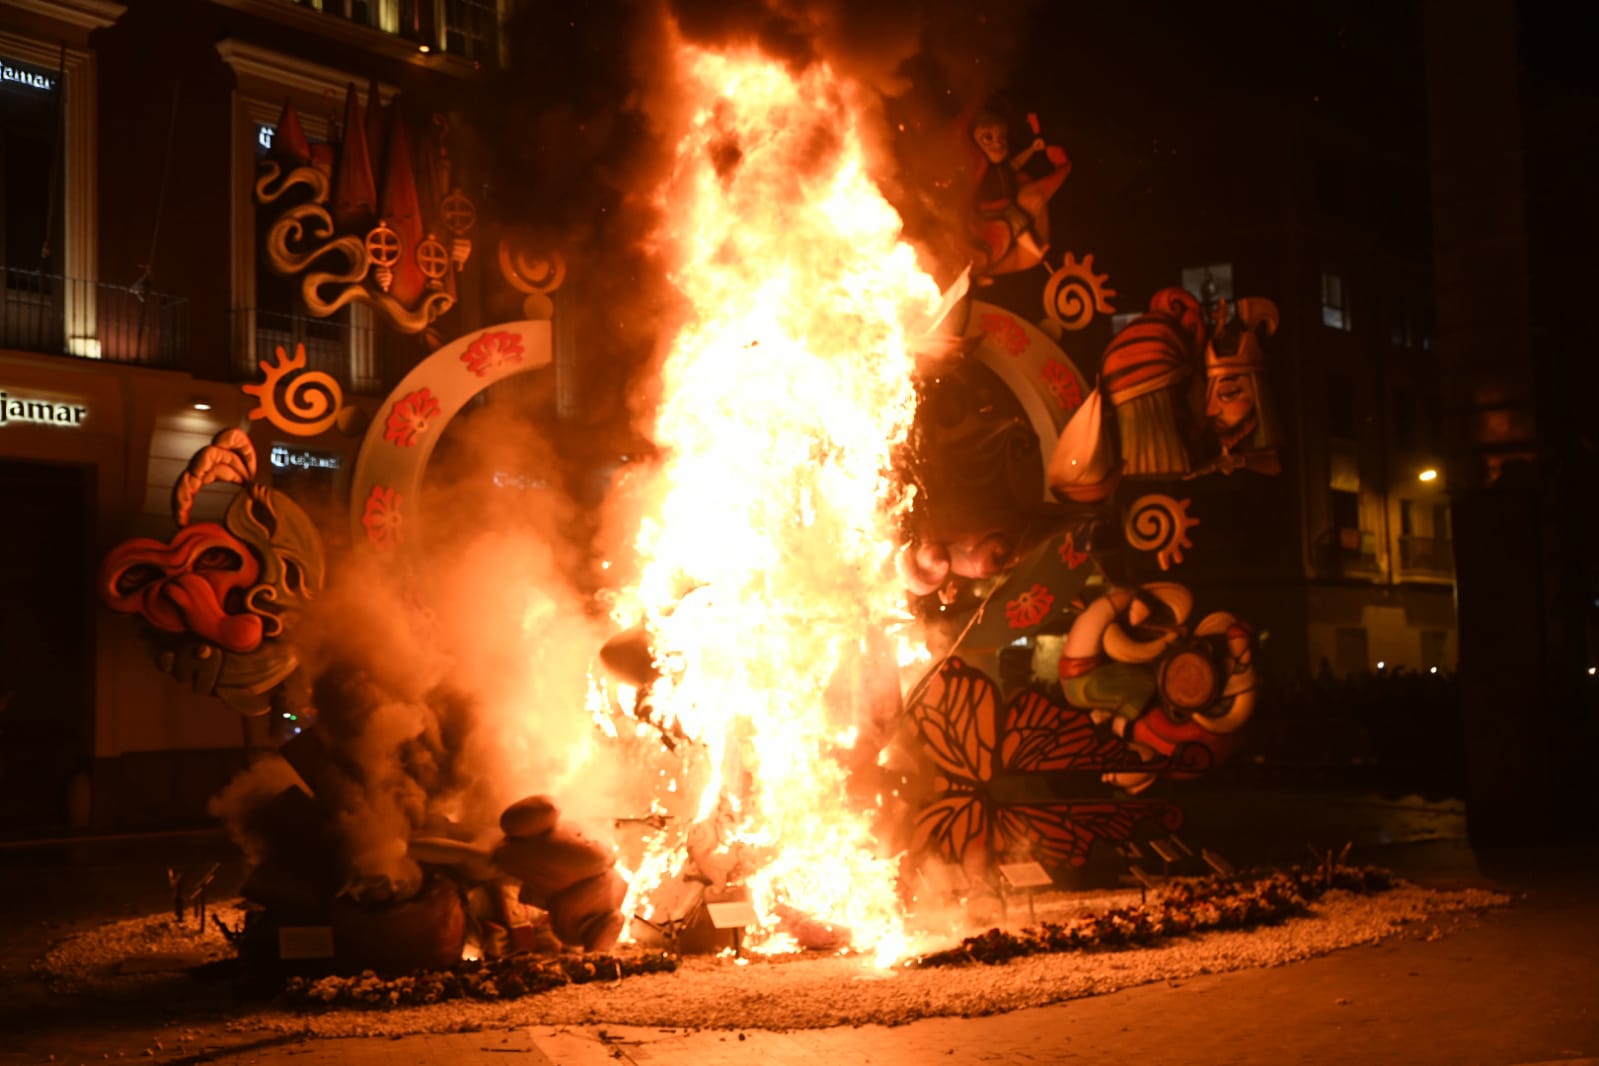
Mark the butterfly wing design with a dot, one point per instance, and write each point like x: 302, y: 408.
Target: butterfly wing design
x: 1058, y: 834
x: 1042, y: 735
x: 957, y: 717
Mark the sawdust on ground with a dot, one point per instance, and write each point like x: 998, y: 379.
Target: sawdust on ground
x: 715, y: 992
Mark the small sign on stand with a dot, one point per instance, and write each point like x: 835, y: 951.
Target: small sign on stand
x: 737, y: 915
x: 1026, y: 876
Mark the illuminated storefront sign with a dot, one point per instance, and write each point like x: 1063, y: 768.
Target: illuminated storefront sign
x: 45, y: 412
x: 32, y: 79
x: 284, y: 457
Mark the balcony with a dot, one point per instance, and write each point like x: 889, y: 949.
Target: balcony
x: 54, y: 315
x: 1434, y: 556
x: 1346, y: 552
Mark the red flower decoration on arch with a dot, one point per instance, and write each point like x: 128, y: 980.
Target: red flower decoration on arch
x: 1030, y: 607
x: 382, y: 518
x: 1006, y: 332
x: 490, y: 350
x: 1062, y: 384
x: 409, y: 417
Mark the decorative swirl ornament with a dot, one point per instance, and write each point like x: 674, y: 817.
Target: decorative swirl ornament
x: 460, y: 216
x: 1075, y: 294
x: 433, y: 259
x: 383, y: 248
x: 305, y: 234
x: 533, y: 273
x: 267, y: 192
x: 1158, y: 523
x: 299, y: 401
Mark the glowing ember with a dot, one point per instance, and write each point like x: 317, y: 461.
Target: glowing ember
x: 766, y: 567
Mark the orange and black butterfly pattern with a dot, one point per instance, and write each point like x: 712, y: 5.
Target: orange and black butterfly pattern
x: 976, y: 745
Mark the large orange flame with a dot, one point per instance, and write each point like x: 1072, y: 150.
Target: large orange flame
x: 765, y: 568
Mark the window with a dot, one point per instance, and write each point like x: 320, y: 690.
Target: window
x: 1424, y: 541
x: 1343, y: 469
x: 1334, y: 306
x: 30, y: 208
x: 472, y: 28
x: 1345, y: 509
x: 1341, y: 419
x: 1210, y: 283
x: 379, y: 14
x: 1121, y: 320
x: 30, y: 185
x: 47, y: 197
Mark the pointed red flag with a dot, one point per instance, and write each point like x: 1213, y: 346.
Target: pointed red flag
x: 289, y: 144
x: 355, y: 194
x: 402, y: 209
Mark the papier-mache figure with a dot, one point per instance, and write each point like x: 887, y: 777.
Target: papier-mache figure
x: 1104, y: 664
x: 1010, y: 222
x: 1145, y: 373
x: 1238, y: 409
x: 1177, y: 693
x: 222, y: 599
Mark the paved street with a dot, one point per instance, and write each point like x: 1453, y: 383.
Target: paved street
x: 1512, y: 986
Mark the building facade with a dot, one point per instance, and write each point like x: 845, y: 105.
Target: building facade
x: 134, y: 301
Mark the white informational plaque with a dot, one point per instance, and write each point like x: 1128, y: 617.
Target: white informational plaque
x: 1025, y: 875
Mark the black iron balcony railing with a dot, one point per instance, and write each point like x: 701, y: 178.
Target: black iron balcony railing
x: 1427, y: 555
x: 350, y: 352
x: 1347, y: 552
x: 466, y: 28
x: 55, y: 315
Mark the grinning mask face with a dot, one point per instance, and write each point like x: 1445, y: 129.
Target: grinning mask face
x: 197, y: 584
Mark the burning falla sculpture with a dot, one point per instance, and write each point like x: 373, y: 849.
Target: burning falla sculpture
x: 1148, y: 693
